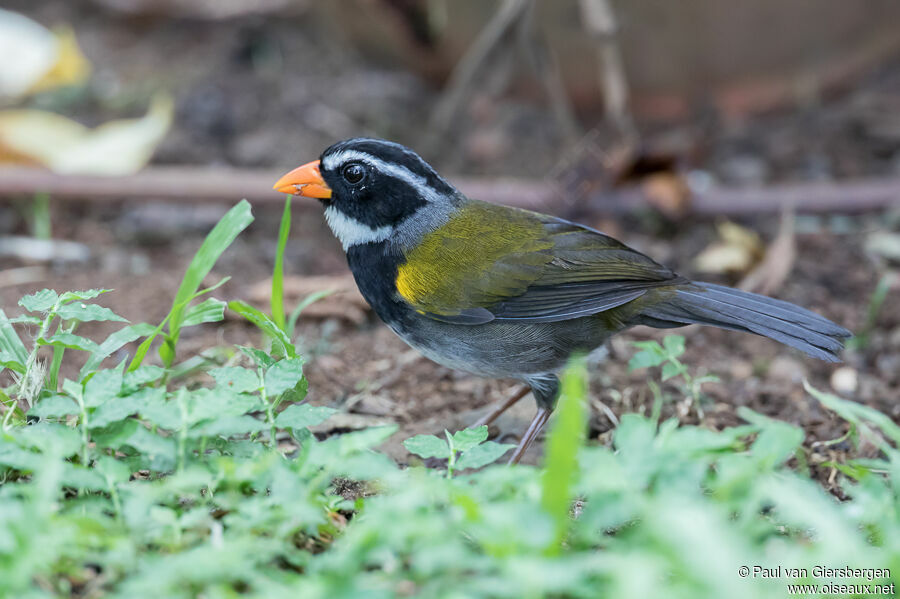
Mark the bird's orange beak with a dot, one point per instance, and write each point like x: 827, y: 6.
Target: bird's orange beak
x: 306, y: 181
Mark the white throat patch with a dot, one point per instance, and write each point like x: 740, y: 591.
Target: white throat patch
x: 350, y: 231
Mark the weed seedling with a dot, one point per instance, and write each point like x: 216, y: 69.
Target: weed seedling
x: 653, y: 354
x: 470, y: 442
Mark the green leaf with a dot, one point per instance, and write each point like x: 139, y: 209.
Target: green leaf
x: 104, y: 385
x: 89, y: 294
x: 468, y: 438
x: 9, y: 361
x: 79, y: 477
x: 20, y: 459
x: 482, y: 455
x: 669, y: 370
x: 297, y: 416
x: 73, y: 389
x: 69, y: 341
x: 113, y: 343
x: 143, y: 376
x: 229, y: 426
x: 217, y: 241
x: 634, y: 434
x: 156, y: 410
x: 205, y: 404
x: 144, y: 347
x: 304, y: 303
x: 266, y: 325
x: 115, y: 435
x: 115, y: 410
x: 350, y: 443
x: 87, y: 312
x: 236, y: 379
x: 159, y: 450
x: 11, y: 344
x: 259, y: 357
x: 210, y: 310
x: 42, y: 301
x: 283, y: 375
x: 565, y: 438
x: 24, y: 319
x: 651, y: 354
x: 674, y: 345
x: 858, y: 414
x: 297, y: 394
x: 51, y: 438
x: 54, y: 406
x: 113, y: 470
x: 277, y: 297
x: 427, y: 446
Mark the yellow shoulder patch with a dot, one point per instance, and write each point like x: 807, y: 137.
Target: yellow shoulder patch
x: 480, y: 256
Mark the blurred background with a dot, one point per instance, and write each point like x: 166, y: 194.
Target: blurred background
x: 755, y: 144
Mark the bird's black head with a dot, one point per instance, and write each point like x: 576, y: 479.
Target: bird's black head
x: 369, y: 187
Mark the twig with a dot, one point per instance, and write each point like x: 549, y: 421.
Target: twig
x: 198, y: 184
x: 463, y: 78
x: 547, y: 71
x: 600, y: 21
x: 514, y: 17
x: 770, y: 274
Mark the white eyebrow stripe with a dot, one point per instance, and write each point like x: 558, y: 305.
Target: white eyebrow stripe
x: 350, y: 231
x: 394, y: 170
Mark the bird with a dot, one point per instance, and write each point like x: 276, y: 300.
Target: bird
x: 503, y: 292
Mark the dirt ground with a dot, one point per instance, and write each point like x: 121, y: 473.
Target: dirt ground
x: 374, y: 378
x: 235, y: 105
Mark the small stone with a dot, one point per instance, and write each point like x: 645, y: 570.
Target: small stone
x: 741, y: 369
x: 845, y: 380
x: 787, y: 369
x: 329, y: 362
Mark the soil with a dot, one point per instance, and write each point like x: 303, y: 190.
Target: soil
x: 236, y: 106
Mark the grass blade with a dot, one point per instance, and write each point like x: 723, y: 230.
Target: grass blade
x: 277, y: 299
x: 266, y: 325
x: 858, y: 414
x: 307, y: 301
x: 223, y: 234
x: 113, y: 343
x: 565, y: 438
x: 10, y: 342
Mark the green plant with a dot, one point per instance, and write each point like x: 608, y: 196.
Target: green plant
x: 47, y: 309
x: 653, y: 354
x: 117, y: 485
x: 39, y: 217
x: 277, y: 328
x: 873, y: 310
x: 217, y: 241
x: 470, y: 442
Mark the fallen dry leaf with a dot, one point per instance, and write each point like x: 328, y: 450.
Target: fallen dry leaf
x: 770, y: 274
x: 64, y: 146
x: 71, y: 66
x: 737, y: 250
x: 669, y: 193
x: 37, y: 59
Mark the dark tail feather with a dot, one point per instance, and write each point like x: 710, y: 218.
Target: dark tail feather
x: 727, y: 308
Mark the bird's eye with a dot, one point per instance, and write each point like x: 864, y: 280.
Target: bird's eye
x: 353, y: 173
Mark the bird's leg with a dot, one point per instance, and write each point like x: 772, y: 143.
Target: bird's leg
x: 489, y: 418
x: 540, y: 419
